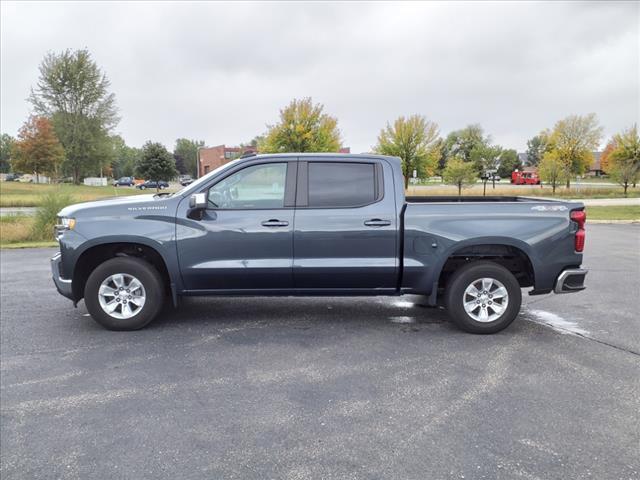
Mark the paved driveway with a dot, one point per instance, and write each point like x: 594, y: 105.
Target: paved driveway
x: 324, y: 387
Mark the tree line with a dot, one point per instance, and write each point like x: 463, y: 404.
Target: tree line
x: 70, y: 131
x: 70, y: 134
x: 560, y: 153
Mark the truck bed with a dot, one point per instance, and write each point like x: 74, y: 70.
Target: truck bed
x: 536, y: 229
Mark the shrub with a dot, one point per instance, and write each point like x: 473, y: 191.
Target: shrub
x: 46, y: 214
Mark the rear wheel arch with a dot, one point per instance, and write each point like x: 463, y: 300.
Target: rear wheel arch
x: 512, y: 257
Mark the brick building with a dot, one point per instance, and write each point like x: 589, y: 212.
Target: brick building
x: 211, y: 158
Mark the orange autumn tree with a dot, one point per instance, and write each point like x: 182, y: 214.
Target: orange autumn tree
x: 38, y: 149
x: 605, y: 160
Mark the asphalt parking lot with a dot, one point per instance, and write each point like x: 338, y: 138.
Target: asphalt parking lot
x: 324, y: 387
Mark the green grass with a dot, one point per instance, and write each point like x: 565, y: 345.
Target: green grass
x: 622, y: 212
x: 16, y: 194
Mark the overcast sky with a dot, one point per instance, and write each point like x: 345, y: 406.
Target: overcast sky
x: 221, y: 71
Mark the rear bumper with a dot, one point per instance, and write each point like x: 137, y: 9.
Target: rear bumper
x: 62, y: 284
x: 570, y: 280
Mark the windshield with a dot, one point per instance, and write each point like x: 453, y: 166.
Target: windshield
x: 195, y: 186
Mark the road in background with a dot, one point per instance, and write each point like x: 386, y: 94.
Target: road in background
x: 324, y: 387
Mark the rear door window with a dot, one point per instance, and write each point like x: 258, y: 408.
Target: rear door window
x: 336, y: 185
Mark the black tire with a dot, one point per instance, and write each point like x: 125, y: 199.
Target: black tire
x: 145, y: 273
x: 455, y: 296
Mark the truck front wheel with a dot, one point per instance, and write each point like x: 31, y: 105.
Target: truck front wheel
x: 124, y: 293
x: 483, y: 297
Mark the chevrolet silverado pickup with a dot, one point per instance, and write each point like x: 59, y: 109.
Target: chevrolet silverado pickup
x: 316, y: 224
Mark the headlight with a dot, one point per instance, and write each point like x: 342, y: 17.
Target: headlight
x: 64, y: 223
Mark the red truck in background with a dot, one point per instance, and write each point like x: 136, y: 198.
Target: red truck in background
x: 525, y: 177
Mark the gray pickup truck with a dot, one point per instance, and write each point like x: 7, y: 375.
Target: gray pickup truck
x: 316, y: 224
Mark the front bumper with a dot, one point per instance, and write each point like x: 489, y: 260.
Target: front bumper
x: 570, y: 280
x: 62, y: 284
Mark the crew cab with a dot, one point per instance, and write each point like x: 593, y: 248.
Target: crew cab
x: 316, y: 224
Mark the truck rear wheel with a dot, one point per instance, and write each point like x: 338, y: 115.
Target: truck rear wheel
x: 483, y: 297
x: 124, y: 293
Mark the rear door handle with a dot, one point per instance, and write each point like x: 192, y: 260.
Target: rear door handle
x: 376, y: 222
x: 274, y: 223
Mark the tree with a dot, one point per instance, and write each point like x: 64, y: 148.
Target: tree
x: 440, y: 155
x: 551, y: 169
x: 573, y: 140
x: 6, y: 147
x: 187, y: 150
x: 37, y: 150
x: 486, y: 159
x: 466, y: 143
x: 625, y: 158
x: 254, y: 142
x: 124, y: 158
x: 74, y: 93
x: 303, y: 127
x: 181, y: 167
x: 156, y: 163
x: 509, y: 161
x: 413, y: 139
x: 605, y: 156
x: 536, y: 147
x: 459, y: 173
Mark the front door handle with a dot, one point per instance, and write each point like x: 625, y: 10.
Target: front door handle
x: 275, y: 223
x: 376, y: 222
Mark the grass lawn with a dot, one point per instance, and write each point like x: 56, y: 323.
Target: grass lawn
x: 16, y: 194
x: 506, y: 189
x: 16, y: 231
x: 28, y: 245
x: 622, y: 212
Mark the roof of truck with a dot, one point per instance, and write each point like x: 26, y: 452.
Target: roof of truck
x: 325, y: 155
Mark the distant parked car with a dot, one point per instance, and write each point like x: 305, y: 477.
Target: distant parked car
x: 124, y: 182
x: 185, y: 180
x: 152, y: 184
x: 12, y: 177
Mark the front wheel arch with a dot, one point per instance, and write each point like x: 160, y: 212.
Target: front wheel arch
x: 92, y: 257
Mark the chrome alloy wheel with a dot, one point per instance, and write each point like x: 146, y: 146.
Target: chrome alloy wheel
x: 121, y: 296
x: 485, y: 300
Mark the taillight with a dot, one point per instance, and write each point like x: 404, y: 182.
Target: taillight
x: 580, y: 217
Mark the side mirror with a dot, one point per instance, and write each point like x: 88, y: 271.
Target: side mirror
x: 198, y: 201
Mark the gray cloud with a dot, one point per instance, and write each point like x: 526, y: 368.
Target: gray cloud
x: 221, y: 71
